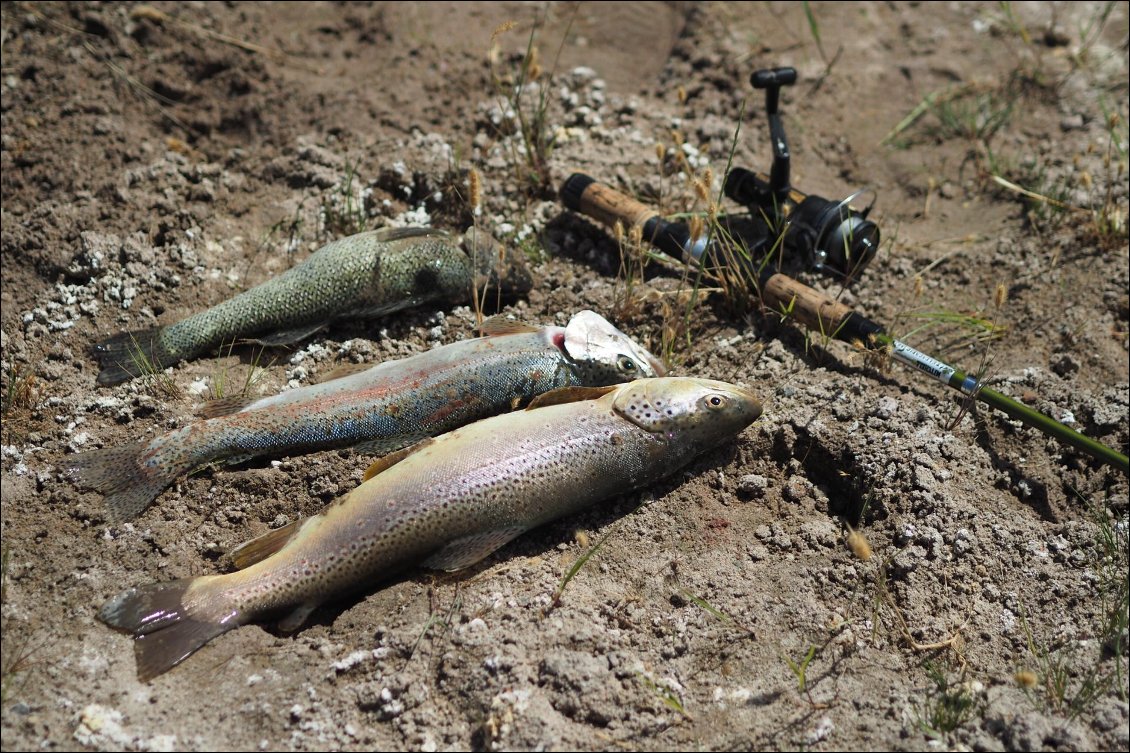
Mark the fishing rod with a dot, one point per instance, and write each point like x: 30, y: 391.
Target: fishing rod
x: 813, y: 309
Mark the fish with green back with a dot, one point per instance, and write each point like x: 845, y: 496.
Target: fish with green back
x: 444, y: 503
x: 365, y: 275
x: 380, y: 408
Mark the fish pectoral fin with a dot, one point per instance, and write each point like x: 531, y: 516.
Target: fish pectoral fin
x: 569, y: 395
x: 500, y: 325
x: 390, y: 234
x: 258, y: 549
x: 372, y: 447
x: 384, y: 463
x: 467, y: 550
x: 297, y: 618
x: 224, y: 406
x: 287, y: 336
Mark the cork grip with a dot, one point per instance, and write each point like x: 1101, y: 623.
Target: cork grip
x: 814, y: 310
x: 585, y: 195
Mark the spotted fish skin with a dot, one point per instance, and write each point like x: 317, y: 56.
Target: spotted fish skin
x: 446, y: 503
x: 364, y: 275
x: 383, y: 408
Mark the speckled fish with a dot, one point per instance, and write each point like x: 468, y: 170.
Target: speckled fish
x: 382, y: 408
x: 364, y: 275
x: 445, y: 503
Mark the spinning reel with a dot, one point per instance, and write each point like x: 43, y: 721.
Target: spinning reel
x: 830, y: 236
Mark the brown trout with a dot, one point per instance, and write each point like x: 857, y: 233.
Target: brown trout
x: 382, y: 409
x: 365, y: 275
x: 445, y: 503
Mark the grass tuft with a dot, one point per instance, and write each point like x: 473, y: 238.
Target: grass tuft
x: 343, y: 211
x: 524, y: 96
x: 434, y: 619
x: 16, y: 651
x: 21, y: 393
x: 154, y: 378
x: 667, y: 695
x: 219, y: 383
x: 800, y: 668
x: 948, y: 705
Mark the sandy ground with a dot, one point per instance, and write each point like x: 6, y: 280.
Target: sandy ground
x: 158, y: 159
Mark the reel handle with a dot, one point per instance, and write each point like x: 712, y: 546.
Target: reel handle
x: 772, y: 79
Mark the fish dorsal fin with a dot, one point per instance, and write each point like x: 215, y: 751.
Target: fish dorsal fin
x: 384, y: 463
x: 500, y: 325
x: 258, y: 549
x: 287, y: 336
x: 467, y: 550
x: 569, y: 395
x: 224, y: 406
x: 344, y: 370
x: 389, y: 234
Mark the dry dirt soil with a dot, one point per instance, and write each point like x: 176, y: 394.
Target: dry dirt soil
x: 158, y: 159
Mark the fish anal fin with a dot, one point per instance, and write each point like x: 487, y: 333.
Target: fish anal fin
x: 500, y: 325
x: 467, y: 550
x: 287, y: 336
x: 297, y: 618
x: 258, y: 549
x: 384, y: 463
x: 224, y: 406
x: 569, y: 395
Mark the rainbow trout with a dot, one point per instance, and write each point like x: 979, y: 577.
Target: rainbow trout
x: 365, y: 275
x: 383, y: 408
x: 445, y: 503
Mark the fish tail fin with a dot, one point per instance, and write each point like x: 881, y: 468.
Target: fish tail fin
x: 166, y: 630
x: 130, y: 355
x: 130, y: 484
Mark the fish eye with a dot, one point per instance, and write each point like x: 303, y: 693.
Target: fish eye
x: 714, y: 402
x: 625, y: 364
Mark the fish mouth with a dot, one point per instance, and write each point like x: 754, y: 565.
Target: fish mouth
x: 704, y: 408
x: 657, y: 366
x: 591, y: 337
x: 749, y: 402
x: 747, y: 396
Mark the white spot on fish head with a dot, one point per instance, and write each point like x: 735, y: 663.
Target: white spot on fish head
x: 600, y: 348
x: 704, y: 412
